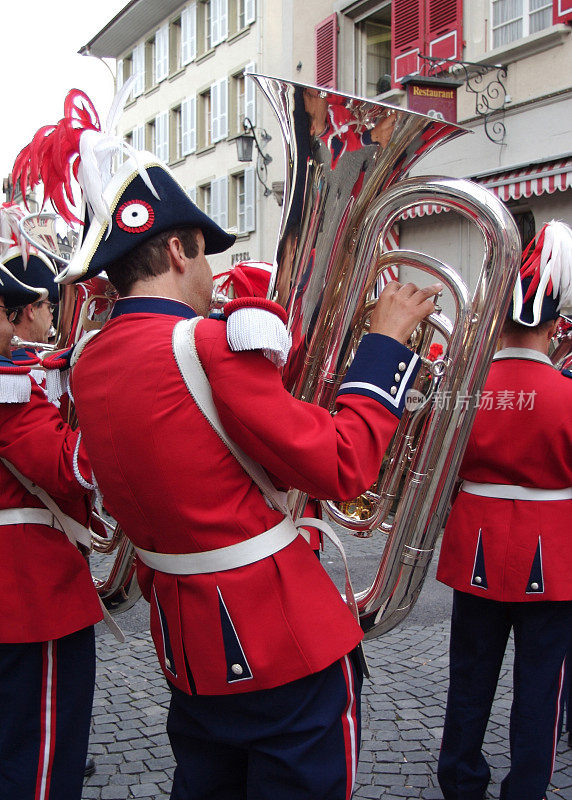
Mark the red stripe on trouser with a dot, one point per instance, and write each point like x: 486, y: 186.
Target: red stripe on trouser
x: 47, y: 720
x: 349, y: 727
x: 557, y: 717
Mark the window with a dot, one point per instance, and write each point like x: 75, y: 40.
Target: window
x: 192, y: 192
x: 219, y: 97
x: 242, y: 100
x: 161, y: 54
x: 205, y: 120
x: 138, y: 137
x: 424, y: 27
x: 161, y: 148
x: 150, y: 136
x: 219, y: 21
x: 176, y: 133
x: 373, y: 51
x: 175, y: 44
x: 203, y: 26
x: 514, y: 19
x: 242, y: 211
x: 205, y: 198
x: 188, y: 126
x: 241, y: 13
x: 189, y: 33
x: 138, y: 69
x: 219, y: 202
x: 150, y: 63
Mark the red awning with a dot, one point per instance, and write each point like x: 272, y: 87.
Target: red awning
x: 537, y: 179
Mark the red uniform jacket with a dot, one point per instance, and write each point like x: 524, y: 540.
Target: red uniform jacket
x: 46, y: 590
x: 515, y: 550
x: 175, y: 488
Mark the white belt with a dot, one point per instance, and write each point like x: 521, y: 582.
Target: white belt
x: 34, y: 516
x: 503, y: 491
x: 223, y: 558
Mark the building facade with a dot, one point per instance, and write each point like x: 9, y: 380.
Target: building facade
x: 511, y: 57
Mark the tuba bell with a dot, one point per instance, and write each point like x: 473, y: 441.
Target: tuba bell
x: 84, y: 307
x: 346, y: 185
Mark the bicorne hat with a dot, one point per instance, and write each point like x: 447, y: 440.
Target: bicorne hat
x: 120, y: 210
x: 15, y: 293
x: 544, y: 285
x: 28, y: 266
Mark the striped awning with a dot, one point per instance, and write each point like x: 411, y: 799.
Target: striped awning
x: 537, y: 179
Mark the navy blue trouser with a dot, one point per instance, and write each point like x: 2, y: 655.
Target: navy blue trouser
x: 479, y: 632
x: 299, y: 741
x: 46, y: 696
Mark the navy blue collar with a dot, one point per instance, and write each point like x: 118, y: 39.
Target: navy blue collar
x: 151, y: 305
x: 4, y: 360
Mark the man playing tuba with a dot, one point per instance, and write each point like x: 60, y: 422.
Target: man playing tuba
x: 192, y: 434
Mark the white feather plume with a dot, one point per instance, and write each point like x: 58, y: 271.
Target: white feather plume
x: 556, y: 257
x: 10, y: 233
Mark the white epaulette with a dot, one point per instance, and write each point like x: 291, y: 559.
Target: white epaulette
x: 15, y: 384
x: 254, y: 323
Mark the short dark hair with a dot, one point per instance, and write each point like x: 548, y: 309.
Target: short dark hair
x: 513, y: 328
x: 149, y: 259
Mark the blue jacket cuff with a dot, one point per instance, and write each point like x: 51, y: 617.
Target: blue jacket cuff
x: 382, y: 369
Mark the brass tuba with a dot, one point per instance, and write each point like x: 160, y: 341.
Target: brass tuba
x: 346, y: 185
x: 84, y: 307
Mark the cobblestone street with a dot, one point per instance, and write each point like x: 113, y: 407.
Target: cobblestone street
x: 402, y: 717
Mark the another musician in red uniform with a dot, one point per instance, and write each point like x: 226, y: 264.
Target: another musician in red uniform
x: 506, y: 548
x: 256, y: 643
x: 49, y: 604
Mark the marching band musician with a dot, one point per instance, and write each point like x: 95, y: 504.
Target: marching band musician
x: 190, y: 431
x: 49, y: 604
x: 506, y: 549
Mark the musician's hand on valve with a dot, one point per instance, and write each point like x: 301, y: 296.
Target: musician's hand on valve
x: 401, y: 307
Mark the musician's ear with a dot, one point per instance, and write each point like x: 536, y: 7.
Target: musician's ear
x: 176, y: 253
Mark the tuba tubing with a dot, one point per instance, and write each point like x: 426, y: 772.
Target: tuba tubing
x: 347, y: 161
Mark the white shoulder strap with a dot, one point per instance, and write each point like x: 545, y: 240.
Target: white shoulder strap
x: 198, y: 385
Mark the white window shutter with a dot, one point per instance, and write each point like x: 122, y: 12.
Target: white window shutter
x: 215, y: 27
x: 222, y: 20
x: 215, y: 112
x: 119, y: 74
x: 249, y: 11
x: 138, y: 139
x: 162, y: 53
x: 162, y: 136
x: 223, y: 108
x: 223, y: 202
x: 189, y: 125
x: 214, y: 201
x: 189, y: 33
x: 192, y: 192
x: 139, y: 69
x: 250, y: 94
x: 250, y: 198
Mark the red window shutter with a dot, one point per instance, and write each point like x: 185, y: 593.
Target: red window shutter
x: 407, y: 22
x: 326, y: 37
x: 444, y: 29
x: 561, y: 11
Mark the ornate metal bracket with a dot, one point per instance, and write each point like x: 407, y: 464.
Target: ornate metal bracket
x: 485, y: 81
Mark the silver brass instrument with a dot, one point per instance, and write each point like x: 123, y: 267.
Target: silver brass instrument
x: 347, y: 161
x: 85, y: 307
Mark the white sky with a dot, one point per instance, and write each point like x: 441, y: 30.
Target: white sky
x: 38, y: 46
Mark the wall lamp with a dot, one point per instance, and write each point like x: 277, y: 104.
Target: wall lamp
x: 244, y: 148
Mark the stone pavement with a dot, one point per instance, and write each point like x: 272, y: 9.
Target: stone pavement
x: 402, y: 718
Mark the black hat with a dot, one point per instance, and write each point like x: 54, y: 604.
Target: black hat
x: 144, y: 199
x: 15, y: 293
x: 38, y: 272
